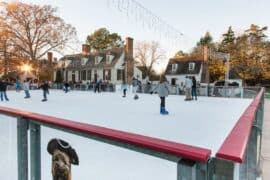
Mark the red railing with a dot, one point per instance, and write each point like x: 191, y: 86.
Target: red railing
x: 234, y: 146
x: 155, y: 144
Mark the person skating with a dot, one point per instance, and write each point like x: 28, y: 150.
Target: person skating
x: 26, y: 88
x: 3, y: 90
x: 66, y: 87
x: 163, y: 90
x: 194, y: 88
x: 18, y: 85
x: 45, y: 88
x: 124, y: 87
x: 97, y: 86
x: 135, y: 84
x: 188, y: 85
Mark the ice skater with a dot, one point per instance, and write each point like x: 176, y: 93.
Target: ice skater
x: 45, y: 88
x: 188, y: 85
x: 124, y: 88
x: 194, y: 88
x: 135, y: 84
x: 163, y: 90
x: 26, y: 88
x: 3, y: 90
x: 18, y: 85
x: 66, y: 87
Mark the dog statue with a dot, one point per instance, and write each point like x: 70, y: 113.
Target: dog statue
x: 63, y: 155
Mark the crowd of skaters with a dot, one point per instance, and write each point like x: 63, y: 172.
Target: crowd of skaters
x: 25, y: 86
x: 162, y: 89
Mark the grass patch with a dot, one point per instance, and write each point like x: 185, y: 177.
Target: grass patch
x: 267, y: 95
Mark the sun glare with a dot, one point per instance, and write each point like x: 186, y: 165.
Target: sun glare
x: 26, y: 68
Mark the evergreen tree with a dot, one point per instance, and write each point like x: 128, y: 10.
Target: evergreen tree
x: 227, y: 43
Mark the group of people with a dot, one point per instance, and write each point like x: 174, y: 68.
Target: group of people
x: 135, y: 84
x: 190, y: 88
x: 24, y: 86
x: 162, y: 89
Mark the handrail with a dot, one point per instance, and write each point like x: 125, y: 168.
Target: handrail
x: 234, y: 146
x: 155, y: 144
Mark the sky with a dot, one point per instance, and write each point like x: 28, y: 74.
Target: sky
x: 192, y: 18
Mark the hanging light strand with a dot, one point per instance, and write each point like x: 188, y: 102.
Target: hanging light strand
x: 147, y: 19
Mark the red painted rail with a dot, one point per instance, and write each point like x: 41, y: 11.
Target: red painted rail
x: 234, y: 146
x: 159, y: 145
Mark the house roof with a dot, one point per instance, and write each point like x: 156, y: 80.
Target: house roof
x: 183, y: 66
x: 90, y: 63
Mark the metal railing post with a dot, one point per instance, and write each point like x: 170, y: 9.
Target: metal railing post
x: 35, y: 151
x: 22, y: 148
x: 186, y: 170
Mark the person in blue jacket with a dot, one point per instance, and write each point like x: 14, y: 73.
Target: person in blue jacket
x: 163, y: 90
x: 124, y: 87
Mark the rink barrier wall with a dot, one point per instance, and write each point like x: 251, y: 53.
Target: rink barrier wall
x: 235, y: 145
x: 155, y: 144
x: 193, y: 163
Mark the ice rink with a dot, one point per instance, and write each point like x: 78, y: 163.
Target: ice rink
x: 204, y: 123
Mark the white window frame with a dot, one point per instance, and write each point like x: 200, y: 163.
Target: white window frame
x: 174, y: 67
x: 191, y: 66
x: 97, y: 60
x: 108, y: 59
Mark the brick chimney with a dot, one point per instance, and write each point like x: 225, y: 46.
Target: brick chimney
x: 129, y: 59
x: 205, y: 53
x: 50, y: 56
x: 205, y: 77
x: 85, y: 49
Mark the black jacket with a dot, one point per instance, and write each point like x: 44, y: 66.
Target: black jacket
x: 3, y: 85
x: 45, y: 86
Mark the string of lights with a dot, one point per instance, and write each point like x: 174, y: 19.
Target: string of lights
x: 147, y: 19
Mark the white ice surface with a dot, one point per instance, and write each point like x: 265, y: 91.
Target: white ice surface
x: 203, y: 123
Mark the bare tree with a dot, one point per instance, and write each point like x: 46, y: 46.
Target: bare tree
x: 149, y: 55
x: 35, y: 30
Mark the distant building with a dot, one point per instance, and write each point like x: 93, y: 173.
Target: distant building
x: 113, y: 65
x: 179, y: 68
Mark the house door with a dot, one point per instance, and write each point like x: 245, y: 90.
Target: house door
x: 95, y: 77
x: 173, y: 81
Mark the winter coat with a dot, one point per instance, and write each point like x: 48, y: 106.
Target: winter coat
x: 194, y: 83
x: 26, y: 86
x: 135, y: 82
x: 124, y: 86
x: 3, y: 85
x: 45, y: 87
x: 162, y: 89
x: 188, y: 83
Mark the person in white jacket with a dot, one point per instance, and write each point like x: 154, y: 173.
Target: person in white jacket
x: 188, y: 85
x: 26, y: 88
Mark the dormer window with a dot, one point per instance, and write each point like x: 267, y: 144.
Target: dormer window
x: 84, y: 61
x: 191, y: 66
x: 97, y: 59
x: 174, y: 67
x: 109, y: 58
